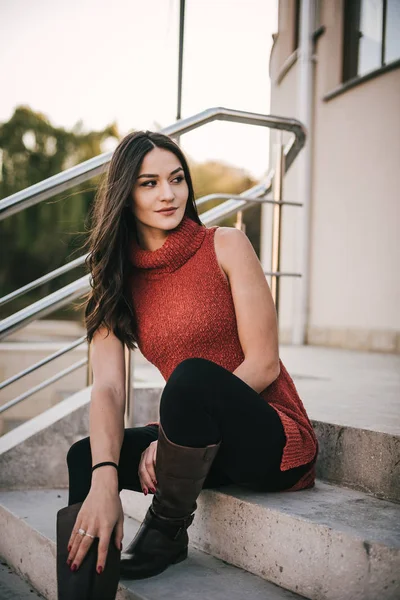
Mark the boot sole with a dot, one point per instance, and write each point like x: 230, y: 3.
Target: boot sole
x: 180, y: 558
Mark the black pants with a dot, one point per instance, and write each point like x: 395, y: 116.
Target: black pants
x: 201, y: 404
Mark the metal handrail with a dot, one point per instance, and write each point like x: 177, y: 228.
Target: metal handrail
x: 42, y: 362
x: 78, y: 288
x: 44, y: 306
x: 251, y: 199
x: 94, y: 166
x: 81, y: 286
x: 42, y: 280
x: 81, y: 260
x: 44, y: 384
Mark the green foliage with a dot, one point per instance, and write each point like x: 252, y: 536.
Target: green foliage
x: 212, y: 177
x: 43, y: 237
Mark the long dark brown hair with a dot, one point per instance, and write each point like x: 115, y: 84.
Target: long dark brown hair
x: 109, y: 302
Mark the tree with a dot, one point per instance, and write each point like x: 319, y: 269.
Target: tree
x: 43, y: 237
x: 211, y: 177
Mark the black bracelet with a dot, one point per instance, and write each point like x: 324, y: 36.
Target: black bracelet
x: 105, y: 463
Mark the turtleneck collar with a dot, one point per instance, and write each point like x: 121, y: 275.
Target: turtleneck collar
x: 181, y: 243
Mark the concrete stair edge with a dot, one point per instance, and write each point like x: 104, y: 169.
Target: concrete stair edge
x: 32, y: 553
x: 33, y: 556
x: 360, y: 459
x: 291, y: 550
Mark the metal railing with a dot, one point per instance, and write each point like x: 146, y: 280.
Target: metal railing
x: 233, y: 204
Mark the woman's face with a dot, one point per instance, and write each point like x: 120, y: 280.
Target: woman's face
x: 160, y: 184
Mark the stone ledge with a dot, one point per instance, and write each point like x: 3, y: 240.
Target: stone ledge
x: 28, y: 524
x: 358, y: 458
x: 325, y: 543
x: 25, y: 457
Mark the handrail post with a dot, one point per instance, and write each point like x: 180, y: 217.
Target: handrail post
x: 128, y: 388
x: 89, y: 372
x: 277, y: 189
x: 239, y: 221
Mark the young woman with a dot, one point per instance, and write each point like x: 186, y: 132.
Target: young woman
x: 196, y: 302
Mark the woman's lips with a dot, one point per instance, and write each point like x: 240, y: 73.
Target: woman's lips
x: 167, y: 212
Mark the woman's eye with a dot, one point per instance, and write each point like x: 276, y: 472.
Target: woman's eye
x: 145, y: 184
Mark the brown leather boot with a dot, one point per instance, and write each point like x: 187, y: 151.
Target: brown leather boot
x: 85, y: 583
x: 162, y: 538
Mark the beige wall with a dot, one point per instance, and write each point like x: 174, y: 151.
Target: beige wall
x: 355, y: 222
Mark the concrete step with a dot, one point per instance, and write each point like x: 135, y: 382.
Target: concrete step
x: 358, y: 458
x: 324, y: 543
x: 13, y: 587
x: 28, y: 526
x: 362, y: 459
x: 352, y: 400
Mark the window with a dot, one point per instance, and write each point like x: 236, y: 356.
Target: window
x: 371, y: 36
x: 392, y: 31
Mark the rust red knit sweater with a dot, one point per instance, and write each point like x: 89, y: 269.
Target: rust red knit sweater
x: 185, y: 309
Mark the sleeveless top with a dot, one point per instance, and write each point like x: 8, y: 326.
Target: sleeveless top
x: 184, y: 309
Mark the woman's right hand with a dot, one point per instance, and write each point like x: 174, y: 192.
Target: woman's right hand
x: 147, y: 473
x: 99, y: 513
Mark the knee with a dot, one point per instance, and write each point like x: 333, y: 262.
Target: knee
x: 79, y: 453
x: 193, y: 371
x: 187, y: 385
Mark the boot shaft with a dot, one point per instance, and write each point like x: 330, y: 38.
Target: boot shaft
x: 180, y: 472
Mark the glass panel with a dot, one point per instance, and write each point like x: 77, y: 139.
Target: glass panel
x: 392, y: 49
x: 370, y: 49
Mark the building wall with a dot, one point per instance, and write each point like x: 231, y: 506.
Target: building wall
x: 355, y: 214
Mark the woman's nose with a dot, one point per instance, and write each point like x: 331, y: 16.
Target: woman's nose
x: 166, y: 192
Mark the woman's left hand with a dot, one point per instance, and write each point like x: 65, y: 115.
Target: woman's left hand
x: 146, y: 471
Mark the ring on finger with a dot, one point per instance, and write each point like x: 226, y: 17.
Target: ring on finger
x: 90, y: 535
x: 81, y: 532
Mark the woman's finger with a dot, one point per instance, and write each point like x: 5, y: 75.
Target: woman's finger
x: 119, y: 533
x: 76, y: 540
x: 145, y: 477
x: 149, y: 464
x: 104, y: 541
x: 74, y: 532
x: 83, y: 548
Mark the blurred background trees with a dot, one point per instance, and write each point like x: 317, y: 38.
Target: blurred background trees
x: 43, y: 237
x: 46, y: 236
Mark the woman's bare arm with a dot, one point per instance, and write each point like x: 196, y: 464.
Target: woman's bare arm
x: 101, y: 511
x: 254, y: 308
x: 107, y: 406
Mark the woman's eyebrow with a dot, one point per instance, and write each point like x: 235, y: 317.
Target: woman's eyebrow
x: 155, y: 175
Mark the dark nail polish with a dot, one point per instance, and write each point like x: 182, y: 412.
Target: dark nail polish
x: 145, y: 492
x: 100, y: 570
x: 69, y: 548
x: 74, y: 567
x: 153, y: 490
x: 121, y: 547
x: 69, y: 561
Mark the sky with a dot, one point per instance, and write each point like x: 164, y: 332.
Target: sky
x: 101, y: 61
